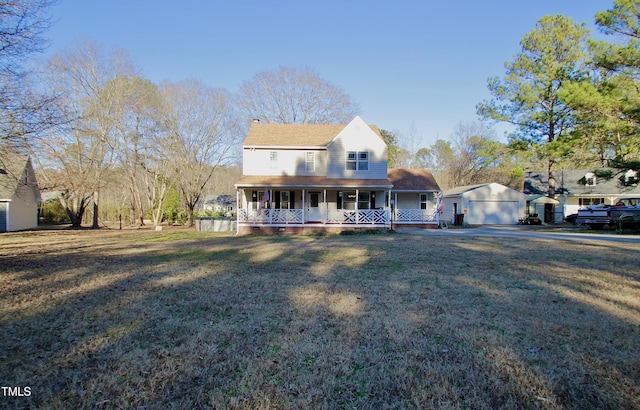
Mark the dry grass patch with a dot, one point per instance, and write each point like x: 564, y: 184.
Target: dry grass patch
x: 145, y: 319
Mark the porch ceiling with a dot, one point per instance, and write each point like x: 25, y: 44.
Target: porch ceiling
x: 282, y: 181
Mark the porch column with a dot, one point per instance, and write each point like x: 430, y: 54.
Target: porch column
x: 238, y: 210
x: 325, y: 207
x: 270, y: 206
x: 389, y: 207
x: 357, y: 212
x: 395, y: 208
x: 304, y: 208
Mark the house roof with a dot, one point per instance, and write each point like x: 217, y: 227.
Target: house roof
x: 294, y: 135
x: 412, y: 180
x: 542, y: 199
x: 570, y: 182
x: 12, y: 171
x: 461, y: 189
x: 309, y: 182
x: 219, y: 199
x: 485, y: 192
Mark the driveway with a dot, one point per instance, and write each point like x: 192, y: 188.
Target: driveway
x: 527, y: 232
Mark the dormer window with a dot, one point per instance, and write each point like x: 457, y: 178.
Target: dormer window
x: 590, y: 179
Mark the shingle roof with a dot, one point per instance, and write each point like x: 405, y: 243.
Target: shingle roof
x: 462, y: 189
x: 571, y: 182
x: 412, y: 180
x: 294, y: 135
x: 310, y: 182
x: 12, y: 168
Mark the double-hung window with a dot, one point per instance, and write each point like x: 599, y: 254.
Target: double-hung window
x: 310, y: 162
x: 273, y: 159
x: 423, y: 201
x: 285, y: 200
x: 357, y: 160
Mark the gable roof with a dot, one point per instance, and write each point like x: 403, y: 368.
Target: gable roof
x: 294, y: 135
x: 13, y: 167
x: 412, y: 180
x: 494, y: 189
x: 570, y: 182
x: 461, y: 189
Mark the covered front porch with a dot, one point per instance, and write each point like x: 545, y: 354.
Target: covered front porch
x: 415, y: 208
x: 281, y: 208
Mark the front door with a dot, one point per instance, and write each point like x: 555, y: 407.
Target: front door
x: 313, y: 207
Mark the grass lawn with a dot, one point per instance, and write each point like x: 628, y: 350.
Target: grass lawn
x: 180, y: 319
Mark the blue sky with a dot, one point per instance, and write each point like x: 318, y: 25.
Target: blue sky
x: 416, y: 68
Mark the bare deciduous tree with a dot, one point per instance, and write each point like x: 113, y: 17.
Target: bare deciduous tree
x: 80, y: 148
x: 23, y: 113
x: 465, y: 159
x: 475, y: 151
x: 131, y: 102
x: 202, y: 135
x: 295, y: 96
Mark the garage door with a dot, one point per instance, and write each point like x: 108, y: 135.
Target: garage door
x: 493, y: 213
x: 3, y: 217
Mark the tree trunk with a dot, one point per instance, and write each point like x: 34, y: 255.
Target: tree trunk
x: 551, y: 138
x: 190, y: 221
x: 95, y: 211
x: 75, y: 214
x: 552, y: 181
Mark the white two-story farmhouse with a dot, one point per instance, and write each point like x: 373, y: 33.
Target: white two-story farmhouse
x: 315, y: 178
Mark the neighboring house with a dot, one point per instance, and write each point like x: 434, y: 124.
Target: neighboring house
x: 577, y: 188
x: 484, y: 204
x: 219, y: 203
x: 19, y: 193
x: 313, y: 178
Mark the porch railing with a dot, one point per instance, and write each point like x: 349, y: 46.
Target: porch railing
x: 415, y: 215
x: 296, y: 216
x: 360, y: 216
x: 271, y: 216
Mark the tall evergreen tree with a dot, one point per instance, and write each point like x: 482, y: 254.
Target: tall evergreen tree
x: 619, y: 94
x: 552, y: 54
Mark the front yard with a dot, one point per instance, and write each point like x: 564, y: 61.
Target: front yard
x: 182, y: 319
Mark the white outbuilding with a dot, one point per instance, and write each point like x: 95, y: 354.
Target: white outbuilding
x: 484, y: 204
x: 19, y: 193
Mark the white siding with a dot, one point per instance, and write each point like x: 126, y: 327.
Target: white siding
x: 493, y: 213
x: 290, y: 162
x: 23, y: 210
x: 411, y: 200
x: 489, y: 204
x: 357, y: 136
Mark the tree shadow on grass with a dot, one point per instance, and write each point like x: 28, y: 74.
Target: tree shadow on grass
x: 318, y: 322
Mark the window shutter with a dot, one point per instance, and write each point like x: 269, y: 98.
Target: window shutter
x: 277, y: 199
x: 292, y: 199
